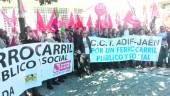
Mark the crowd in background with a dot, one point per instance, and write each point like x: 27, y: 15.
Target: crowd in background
x: 82, y: 47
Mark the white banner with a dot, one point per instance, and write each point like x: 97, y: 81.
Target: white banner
x: 57, y: 60
x: 141, y: 48
x: 26, y: 66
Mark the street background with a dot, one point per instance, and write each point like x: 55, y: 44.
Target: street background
x: 115, y: 82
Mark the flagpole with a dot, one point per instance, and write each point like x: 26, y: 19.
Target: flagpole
x: 21, y: 19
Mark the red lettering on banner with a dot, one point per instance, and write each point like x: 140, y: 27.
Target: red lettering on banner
x: 62, y: 66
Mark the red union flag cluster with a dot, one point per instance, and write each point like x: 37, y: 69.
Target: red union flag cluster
x: 11, y: 21
x: 104, y: 18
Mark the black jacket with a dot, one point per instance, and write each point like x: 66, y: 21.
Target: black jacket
x: 77, y: 42
x: 89, y: 44
x: 79, y: 45
x: 27, y: 41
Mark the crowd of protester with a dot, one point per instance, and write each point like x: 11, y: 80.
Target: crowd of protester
x: 82, y: 47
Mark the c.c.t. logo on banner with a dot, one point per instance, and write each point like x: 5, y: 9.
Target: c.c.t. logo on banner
x: 100, y: 9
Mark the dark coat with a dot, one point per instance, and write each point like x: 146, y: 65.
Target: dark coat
x: 78, y: 43
x: 27, y: 41
x: 89, y: 44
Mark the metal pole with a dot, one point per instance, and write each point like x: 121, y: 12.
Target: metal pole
x: 21, y: 19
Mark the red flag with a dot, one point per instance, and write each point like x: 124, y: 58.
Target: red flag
x: 54, y: 25
x: 128, y: 16
x: 22, y: 7
x: 36, y: 34
x: 131, y: 17
x: 13, y: 41
x: 89, y: 22
x: 7, y: 19
x: 78, y: 23
x: 40, y: 22
x: 71, y: 21
x: 105, y: 22
x: 110, y: 24
x: 98, y: 24
x: 14, y: 21
x: 133, y: 21
x: 51, y: 25
x: 62, y: 23
x: 10, y: 21
x: 53, y: 21
x: 155, y: 12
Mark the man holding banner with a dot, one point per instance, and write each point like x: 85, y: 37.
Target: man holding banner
x: 164, y: 46
x: 30, y: 39
x: 85, y: 56
x: 26, y: 66
x: 78, y: 50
